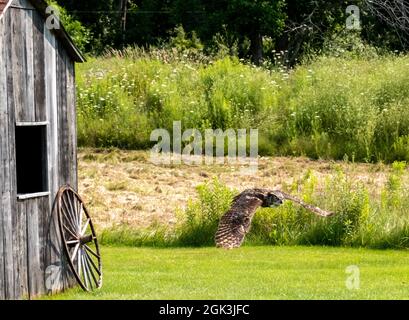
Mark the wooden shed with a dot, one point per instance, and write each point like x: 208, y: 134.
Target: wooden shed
x: 37, y: 147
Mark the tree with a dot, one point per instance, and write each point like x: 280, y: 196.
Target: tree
x: 308, y: 23
x: 124, y: 11
x: 245, y: 19
x: 395, y: 14
x: 79, y: 33
x: 101, y: 17
x: 295, y: 27
x: 254, y: 19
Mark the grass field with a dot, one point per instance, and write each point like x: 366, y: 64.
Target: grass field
x: 327, y: 108
x: 249, y: 273
x: 122, y: 188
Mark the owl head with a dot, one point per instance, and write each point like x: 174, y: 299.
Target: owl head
x: 271, y: 200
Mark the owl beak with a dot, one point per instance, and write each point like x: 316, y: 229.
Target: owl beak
x: 276, y: 203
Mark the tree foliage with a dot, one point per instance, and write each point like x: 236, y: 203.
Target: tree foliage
x: 78, y: 32
x: 295, y: 27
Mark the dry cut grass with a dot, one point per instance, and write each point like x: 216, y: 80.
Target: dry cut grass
x: 125, y: 188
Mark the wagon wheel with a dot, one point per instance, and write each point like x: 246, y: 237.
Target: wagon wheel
x: 79, y: 238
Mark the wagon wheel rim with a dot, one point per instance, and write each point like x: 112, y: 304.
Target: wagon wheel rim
x: 79, y: 239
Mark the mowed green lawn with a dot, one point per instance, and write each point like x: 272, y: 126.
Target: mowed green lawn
x: 249, y: 273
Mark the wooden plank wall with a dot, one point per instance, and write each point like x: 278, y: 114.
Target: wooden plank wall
x: 4, y: 172
x: 6, y: 247
x: 36, y: 85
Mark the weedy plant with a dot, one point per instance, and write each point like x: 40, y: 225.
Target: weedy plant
x: 365, y: 217
x: 327, y: 107
x: 198, y: 223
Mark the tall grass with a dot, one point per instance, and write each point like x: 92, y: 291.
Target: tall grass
x: 365, y: 217
x: 330, y: 107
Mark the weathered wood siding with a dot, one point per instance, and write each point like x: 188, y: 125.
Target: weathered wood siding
x: 36, y: 85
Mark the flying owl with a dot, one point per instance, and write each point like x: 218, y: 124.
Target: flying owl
x: 236, y: 222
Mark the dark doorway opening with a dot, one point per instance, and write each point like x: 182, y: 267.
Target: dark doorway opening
x: 31, y: 159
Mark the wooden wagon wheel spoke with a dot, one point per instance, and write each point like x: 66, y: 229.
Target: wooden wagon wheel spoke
x: 75, y: 251
x: 70, y: 242
x: 72, y: 212
x: 89, y: 261
x: 84, y: 271
x: 88, y: 271
x: 90, y: 250
x: 84, y: 228
x: 80, y: 215
x: 75, y: 204
x: 68, y: 218
x: 79, y: 239
x: 90, y: 275
x: 79, y: 265
x: 74, y: 215
x: 92, y: 263
x: 70, y: 232
x: 69, y: 215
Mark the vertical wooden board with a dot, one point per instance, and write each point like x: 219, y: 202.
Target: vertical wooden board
x: 28, y: 73
x: 66, y: 136
x: 72, y: 123
x: 7, y: 165
x: 69, y: 278
x: 9, y: 109
x: 8, y: 248
x: 2, y: 282
x: 62, y: 145
x: 63, y: 130
x: 20, y: 249
x: 3, y: 153
x: 71, y: 137
x: 19, y: 64
x: 35, y: 274
x: 43, y: 218
x: 55, y: 268
x: 22, y: 243
x: 39, y: 68
x: 20, y: 210
x: 51, y: 110
x: 23, y: 60
x: 21, y: 76
x: 54, y: 251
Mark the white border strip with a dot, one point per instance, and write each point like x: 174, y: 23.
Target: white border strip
x: 33, y: 195
x: 32, y: 124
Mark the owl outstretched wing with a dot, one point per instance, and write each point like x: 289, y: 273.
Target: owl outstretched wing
x: 316, y: 210
x: 236, y: 222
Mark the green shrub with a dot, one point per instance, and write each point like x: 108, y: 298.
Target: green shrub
x: 198, y: 223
